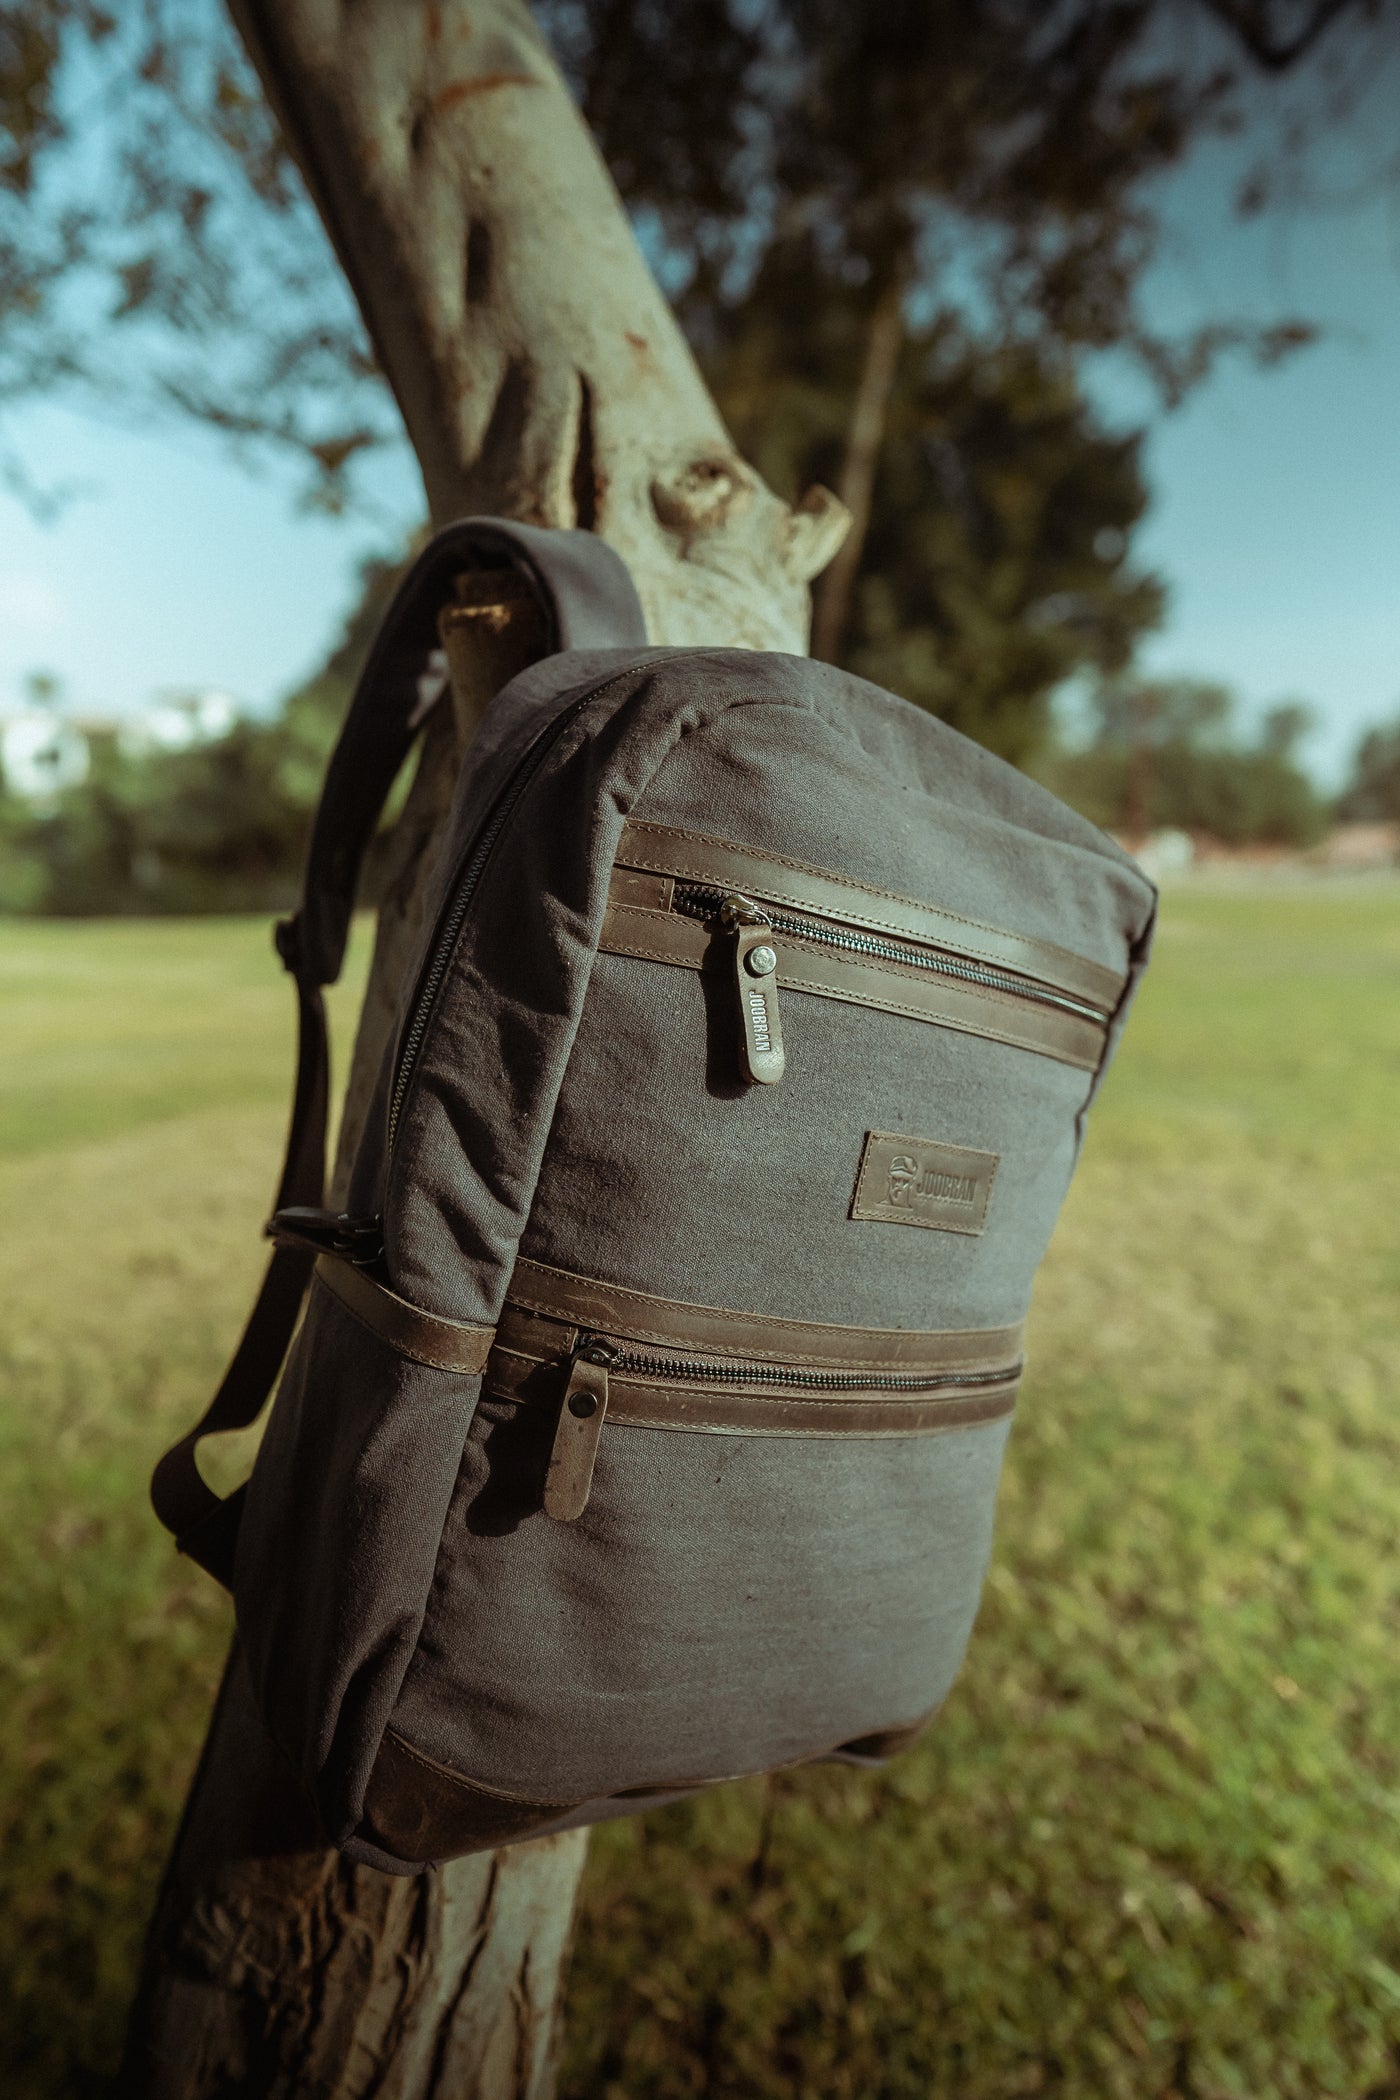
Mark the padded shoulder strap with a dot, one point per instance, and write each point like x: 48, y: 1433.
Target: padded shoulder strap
x: 590, y: 603
x: 588, y: 597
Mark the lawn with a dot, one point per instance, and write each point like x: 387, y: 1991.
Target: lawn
x: 1153, y: 1846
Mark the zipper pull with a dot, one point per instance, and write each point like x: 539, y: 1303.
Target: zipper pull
x: 581, y: 1412
x: 761, y: 1057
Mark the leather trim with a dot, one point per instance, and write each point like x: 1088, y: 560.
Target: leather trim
x: 742, y: 1411
x: 446, y: 1345
x: 885, y: 1743
x: 638, y: 886
x: 699, y: 857
x: 581, y: 1301
x: 419, y: 1809
x: 896, y: 988
x: 547, y: 1309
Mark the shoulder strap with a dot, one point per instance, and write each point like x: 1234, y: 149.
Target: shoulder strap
x: 589, y: 603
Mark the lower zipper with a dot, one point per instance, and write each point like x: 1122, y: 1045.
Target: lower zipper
x: 803, y: 1377
x: 583, y: 1404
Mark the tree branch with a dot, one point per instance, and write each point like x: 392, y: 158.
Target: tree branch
x: 539, y: 370
x: 1252, y: 24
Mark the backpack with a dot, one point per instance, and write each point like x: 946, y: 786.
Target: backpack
x: 647, y: 1401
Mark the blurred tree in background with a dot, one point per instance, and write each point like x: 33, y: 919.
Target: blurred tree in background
x: 1373, y: 793
x: 1171, y: 753
x: 895, y: 236
x: 219, y: 826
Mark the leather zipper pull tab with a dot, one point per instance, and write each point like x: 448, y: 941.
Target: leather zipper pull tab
x: 761, y: 1056
x: 585, y: 1403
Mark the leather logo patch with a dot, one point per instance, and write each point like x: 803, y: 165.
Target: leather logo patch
x: 910, y: 1181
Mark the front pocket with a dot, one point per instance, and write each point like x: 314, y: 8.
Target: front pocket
x: 591, y: 1353
x: 770, y: 925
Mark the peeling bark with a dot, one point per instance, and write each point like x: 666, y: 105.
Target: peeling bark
x: 279, y: 1971
x: 541, y: 376
x: 513, y: 312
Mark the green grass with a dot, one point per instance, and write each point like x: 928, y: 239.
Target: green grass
x: 1152, y: 1847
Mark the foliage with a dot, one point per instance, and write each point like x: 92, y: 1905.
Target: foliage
x: 157, y: 246
x: 1151, y: 1846
x: 1373, y: 792
x: 1166, y: 752
x: 992, y: 165
x: 220, y: 826
x: 993, y: 159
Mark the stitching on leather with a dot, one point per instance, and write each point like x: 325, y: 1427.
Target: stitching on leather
x: 888, y: 1006
x: 474, y: 1786
x: 864, y: 889
x: 802, y: 1410
x: 894, y: 1137
x: 968, y: 1027
x: 880, y: 965
x: 998, y: 1413
x: 515, y: 1296
x: 417, y: 1356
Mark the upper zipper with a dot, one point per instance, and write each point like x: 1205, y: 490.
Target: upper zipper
x: 696, y: 900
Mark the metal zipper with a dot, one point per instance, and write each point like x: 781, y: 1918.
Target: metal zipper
x: 616, y: 1356
x: 454, y: 914
x: 583, y: 1403
x: 700, y: 901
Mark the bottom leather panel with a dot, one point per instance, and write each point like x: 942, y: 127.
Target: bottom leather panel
x: 421, y: 1810
x: 417, y: 1809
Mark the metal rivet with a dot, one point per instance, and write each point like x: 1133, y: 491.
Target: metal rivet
x: 583, y: 1405
x: 762, y: 961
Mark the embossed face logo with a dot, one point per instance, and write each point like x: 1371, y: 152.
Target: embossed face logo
x: 903, y: 1177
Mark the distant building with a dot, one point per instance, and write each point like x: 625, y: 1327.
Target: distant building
x: 1357, y: 847
x: 42, y: 752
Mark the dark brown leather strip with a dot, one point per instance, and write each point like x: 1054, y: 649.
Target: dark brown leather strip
x: 419, y: 1809
x: 664, y: 936
x: 640, y: 887
x: 541, y: 1300
x: 766, y: 1411
x: 448, y: 1345
x: 700, y: 858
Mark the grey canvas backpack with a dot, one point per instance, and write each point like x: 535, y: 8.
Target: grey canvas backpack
x: 643, y: 1421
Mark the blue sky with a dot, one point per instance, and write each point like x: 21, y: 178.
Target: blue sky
x: 1276, y: 513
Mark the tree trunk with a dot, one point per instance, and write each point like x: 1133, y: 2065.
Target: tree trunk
x: 541, y: 376
x: 866, y: 434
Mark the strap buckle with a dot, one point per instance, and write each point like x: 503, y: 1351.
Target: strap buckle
x: 359, y: 1241
x: 286, y: 939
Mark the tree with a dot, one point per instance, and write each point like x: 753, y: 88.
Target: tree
x: 540, y: 374
x: 1168, y: 752
x: 1372, y: 795
x: 218, y: 825
x: 889, y: 232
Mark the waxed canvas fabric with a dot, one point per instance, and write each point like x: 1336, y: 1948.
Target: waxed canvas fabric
x: 725, y: 1603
